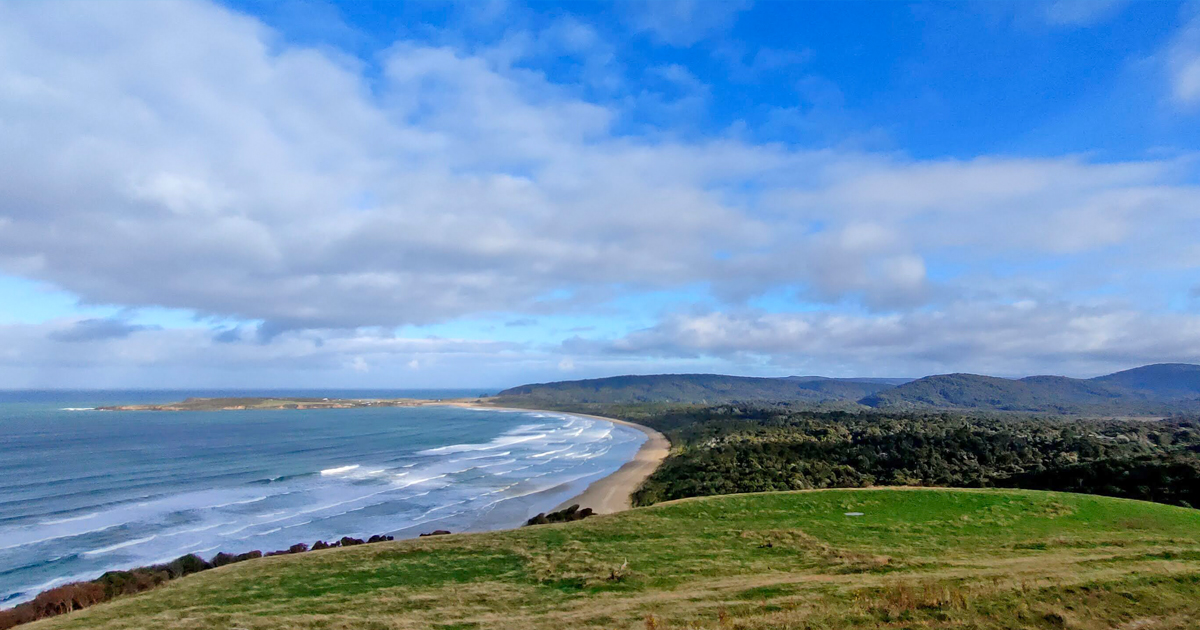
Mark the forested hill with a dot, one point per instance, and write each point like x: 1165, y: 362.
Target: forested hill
x: 1152, y: 389
x: 697, y: 389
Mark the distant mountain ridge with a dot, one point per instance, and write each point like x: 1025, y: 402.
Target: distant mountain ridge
x: 696, y: 388
x: 1150, y: 389
x: 855, y: 379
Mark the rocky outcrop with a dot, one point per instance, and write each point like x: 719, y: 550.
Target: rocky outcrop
x: 572, y: 513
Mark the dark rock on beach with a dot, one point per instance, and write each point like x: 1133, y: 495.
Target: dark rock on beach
x: 567, y: 515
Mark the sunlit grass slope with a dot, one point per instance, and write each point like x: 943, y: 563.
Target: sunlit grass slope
x: 915, y: 558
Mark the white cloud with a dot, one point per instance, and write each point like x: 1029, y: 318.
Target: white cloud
x: 684, y: 22
x: 999, y: 338
x: 1183, y: 63
x: 750, y: 65
x: 219, y: 176
x: 178, y: 156
x: 1005, y: 339
x: 88, y: 353
x: 181, y: 155
x: 1078, y: 12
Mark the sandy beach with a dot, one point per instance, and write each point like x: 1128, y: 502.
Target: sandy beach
x: 612, y: 493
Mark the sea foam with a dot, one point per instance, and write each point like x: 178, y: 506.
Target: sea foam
x: 254, y: 488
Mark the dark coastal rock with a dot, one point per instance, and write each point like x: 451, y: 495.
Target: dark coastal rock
x: 350, y: 542
x: 572, y: 513
x: 436, y: 532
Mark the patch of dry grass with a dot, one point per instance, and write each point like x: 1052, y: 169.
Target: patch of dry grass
x: 916, y: 559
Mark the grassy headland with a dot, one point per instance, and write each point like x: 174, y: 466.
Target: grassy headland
x: 929, y: 558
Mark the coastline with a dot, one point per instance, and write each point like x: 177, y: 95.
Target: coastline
x: 614, y: 492
x: 604, y: 496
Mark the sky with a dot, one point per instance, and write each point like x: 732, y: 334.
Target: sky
x: 482, y: 194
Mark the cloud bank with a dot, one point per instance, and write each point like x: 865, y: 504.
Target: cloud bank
x: 183, y: 155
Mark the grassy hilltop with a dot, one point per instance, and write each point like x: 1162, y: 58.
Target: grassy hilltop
x: 915, y: 558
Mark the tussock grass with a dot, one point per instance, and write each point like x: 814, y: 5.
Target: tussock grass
x: 917, y: 558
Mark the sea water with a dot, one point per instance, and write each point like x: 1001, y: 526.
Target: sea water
x: 84, y: 491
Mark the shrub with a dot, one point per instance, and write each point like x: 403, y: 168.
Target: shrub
x: 67, y: 598
x: 16, y: 616
x: 130, y: 582
x: 187, y: 565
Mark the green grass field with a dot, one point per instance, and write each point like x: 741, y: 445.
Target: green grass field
x: 916, y: 558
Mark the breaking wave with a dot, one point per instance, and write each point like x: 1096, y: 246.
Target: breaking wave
x: 273, y: 480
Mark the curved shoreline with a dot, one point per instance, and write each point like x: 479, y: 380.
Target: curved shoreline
x: 607, y: 495
x: 613, y: 493
x: 604, y: 496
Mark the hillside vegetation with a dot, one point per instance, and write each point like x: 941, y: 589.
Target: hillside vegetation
x: 1150, y: 390
x: 692, y: 389
x: 971, y: 391
x: 743, y: 448
x: 825, y: 559
x: 1153, y: 389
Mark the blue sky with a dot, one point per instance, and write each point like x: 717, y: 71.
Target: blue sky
x: 255, y: 194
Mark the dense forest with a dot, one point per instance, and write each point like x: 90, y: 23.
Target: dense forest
x: 747, y: 448
x: 708, y: 389
x: 1150, y: 390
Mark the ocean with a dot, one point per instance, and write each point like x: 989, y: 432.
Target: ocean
x: 84, y: 491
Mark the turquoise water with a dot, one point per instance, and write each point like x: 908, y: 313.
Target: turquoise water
x: 83, y: 492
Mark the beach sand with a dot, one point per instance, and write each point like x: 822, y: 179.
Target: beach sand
x: 612, y: 493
